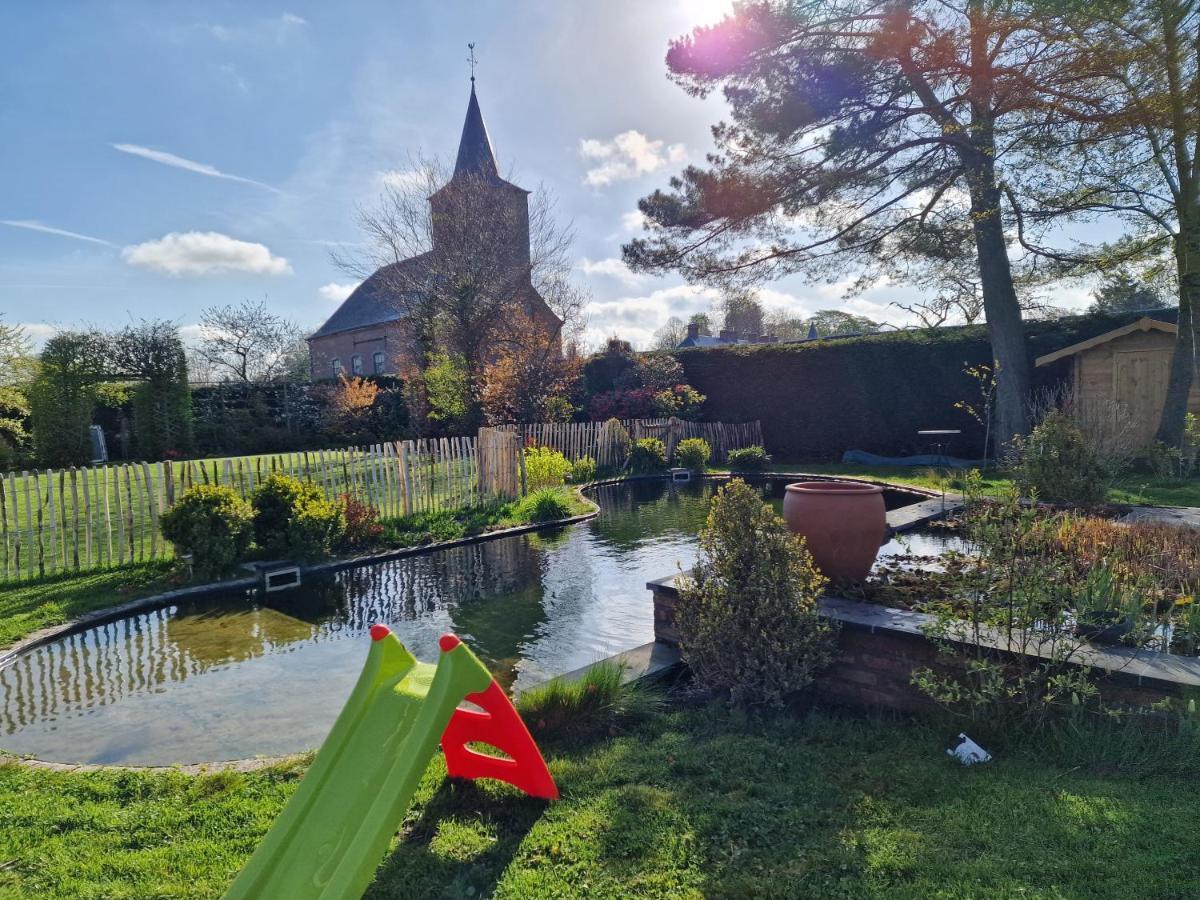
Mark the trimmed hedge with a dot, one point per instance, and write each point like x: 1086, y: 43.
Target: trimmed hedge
x: 817, y: 399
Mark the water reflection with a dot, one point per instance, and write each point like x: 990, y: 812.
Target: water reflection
x: 233, y: 676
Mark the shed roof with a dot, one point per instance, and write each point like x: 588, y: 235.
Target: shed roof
x: 1145, y: 323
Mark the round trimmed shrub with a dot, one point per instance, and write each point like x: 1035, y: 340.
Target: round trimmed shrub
x: 748, y: 459
x: 693, y: 453
x: 648, y: 455
x: 213, y: 524
x: 747, y: 615
x: 293, y: 519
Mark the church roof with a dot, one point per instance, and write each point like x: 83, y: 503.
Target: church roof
x: 374, y: 301
x: 475, y: 155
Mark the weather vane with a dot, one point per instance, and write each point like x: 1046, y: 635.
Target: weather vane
x: 471, y: 60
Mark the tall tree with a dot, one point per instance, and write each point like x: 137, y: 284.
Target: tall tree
x: 742, y: 313
x: 669, y: 335
x: 859, y: 127
x: 247, y: 342
x: 1123, y: 292
x: 1126, y: 137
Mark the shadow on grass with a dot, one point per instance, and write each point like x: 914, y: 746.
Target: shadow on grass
x: 463, y: 841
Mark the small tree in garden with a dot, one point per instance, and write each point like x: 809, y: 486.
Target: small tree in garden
x: 530, y: 380
x: 747, y: 616
x: 63, y: 395
x: 350, y: 406
x: 152, y: 354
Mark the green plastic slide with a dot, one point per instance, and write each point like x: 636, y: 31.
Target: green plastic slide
x: 333, y: 833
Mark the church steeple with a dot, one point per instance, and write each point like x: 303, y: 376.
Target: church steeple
x: 475, y: 156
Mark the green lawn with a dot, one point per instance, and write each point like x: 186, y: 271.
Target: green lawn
x: 693, y: 803
x: 1138, y: 489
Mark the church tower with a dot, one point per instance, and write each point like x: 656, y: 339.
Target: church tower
x: 477, y: 207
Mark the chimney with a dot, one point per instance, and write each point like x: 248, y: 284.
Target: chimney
x: 728, y: 334
x: 693, y: 330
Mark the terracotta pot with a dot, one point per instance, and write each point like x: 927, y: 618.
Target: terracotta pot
x: 843, y: 522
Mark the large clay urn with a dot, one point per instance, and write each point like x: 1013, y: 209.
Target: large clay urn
x: 843, y: 522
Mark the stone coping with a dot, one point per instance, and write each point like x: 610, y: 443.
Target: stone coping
x: 1145, y: 668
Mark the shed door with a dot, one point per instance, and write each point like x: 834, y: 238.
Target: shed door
x: 1140, y: 386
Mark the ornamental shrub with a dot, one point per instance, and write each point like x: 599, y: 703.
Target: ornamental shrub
x: 649, y: 455
x: 693, y: 453
x: 1056, y: 462
x: 583, y: 470
x: 747, y: 615
x: 213, y: 524
x: 748, y: 459
x: 682, y: 400
x: 362, y: 527
x: 545, y: 505
x: 545, y: 467
x: 293, y: 519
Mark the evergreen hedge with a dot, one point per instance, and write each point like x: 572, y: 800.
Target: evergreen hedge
x: 817, y: 399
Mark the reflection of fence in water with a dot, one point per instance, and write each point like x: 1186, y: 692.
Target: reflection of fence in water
x: 137, y: 655
x: 154, y: 650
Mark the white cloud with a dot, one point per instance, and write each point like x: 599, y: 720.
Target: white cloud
x: 180, y: 162
x: 32, y: 225
x: 612, y: 268
x: 204, y: 253
x: 403, y: 179
x: 277, y: 28
x: 292, y: 19
x: 636, y: 318
x: 337, y: 292
x: 37, y: 332
x: 628, y: 155
x: 633, y: 221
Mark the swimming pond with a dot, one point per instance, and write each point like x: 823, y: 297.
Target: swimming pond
x: 235, y: 676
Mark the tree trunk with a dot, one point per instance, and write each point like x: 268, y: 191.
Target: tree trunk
x: 1001, y: 307
x: 1187, y: 344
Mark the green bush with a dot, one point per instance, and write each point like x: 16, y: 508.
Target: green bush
x: 1055, y: 462
x: 649, y: 455
x: 747, y: 616
x: 748, y: 459
x: 545, y: 467
x: 596, y: 704
x: 213, y: 524
x: 693, y: 453
x: 544, y: 505
x: 583, y: 470
x: 293, y: 519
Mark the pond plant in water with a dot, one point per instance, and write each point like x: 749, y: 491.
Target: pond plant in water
x: 1015, y: 613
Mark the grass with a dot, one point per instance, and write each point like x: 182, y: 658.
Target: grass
x: 52, y: 601
x: 692, y: 803
x: 1136, y: 489
x: 563, y: 710
x: 448, y: 525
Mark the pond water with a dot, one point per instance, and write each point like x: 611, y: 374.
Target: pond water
x: 237, y: 676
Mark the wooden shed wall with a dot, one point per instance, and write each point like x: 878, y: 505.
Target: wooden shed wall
x: 1130, y: 371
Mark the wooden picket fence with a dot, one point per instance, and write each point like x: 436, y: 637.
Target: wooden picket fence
x: 93, y: 517
x: 79, y: 519
x: 595, y: 439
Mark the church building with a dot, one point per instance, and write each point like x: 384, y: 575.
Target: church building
x: 367, y: 334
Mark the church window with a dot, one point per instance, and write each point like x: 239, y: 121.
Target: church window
x: 377, y: 359
x: 356, y: 364
x: 336, y: 364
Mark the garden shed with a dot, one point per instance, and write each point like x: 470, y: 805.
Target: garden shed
x: 1126, y: 368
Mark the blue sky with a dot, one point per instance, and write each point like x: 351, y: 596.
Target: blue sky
x: 162, y: 157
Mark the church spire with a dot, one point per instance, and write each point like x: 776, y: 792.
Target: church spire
x: 475, y: 156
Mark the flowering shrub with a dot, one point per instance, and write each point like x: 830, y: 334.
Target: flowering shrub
x: 632, y: 403
x: 682, y: 400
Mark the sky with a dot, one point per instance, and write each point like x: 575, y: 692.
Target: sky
x: 164, y: 157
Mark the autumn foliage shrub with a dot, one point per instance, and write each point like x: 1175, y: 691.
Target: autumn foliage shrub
x: 362, y: 527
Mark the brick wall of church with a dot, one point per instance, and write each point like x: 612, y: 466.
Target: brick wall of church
x: 387, y: 339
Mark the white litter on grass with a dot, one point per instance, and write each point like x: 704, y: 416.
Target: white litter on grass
x: 968, y: 752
